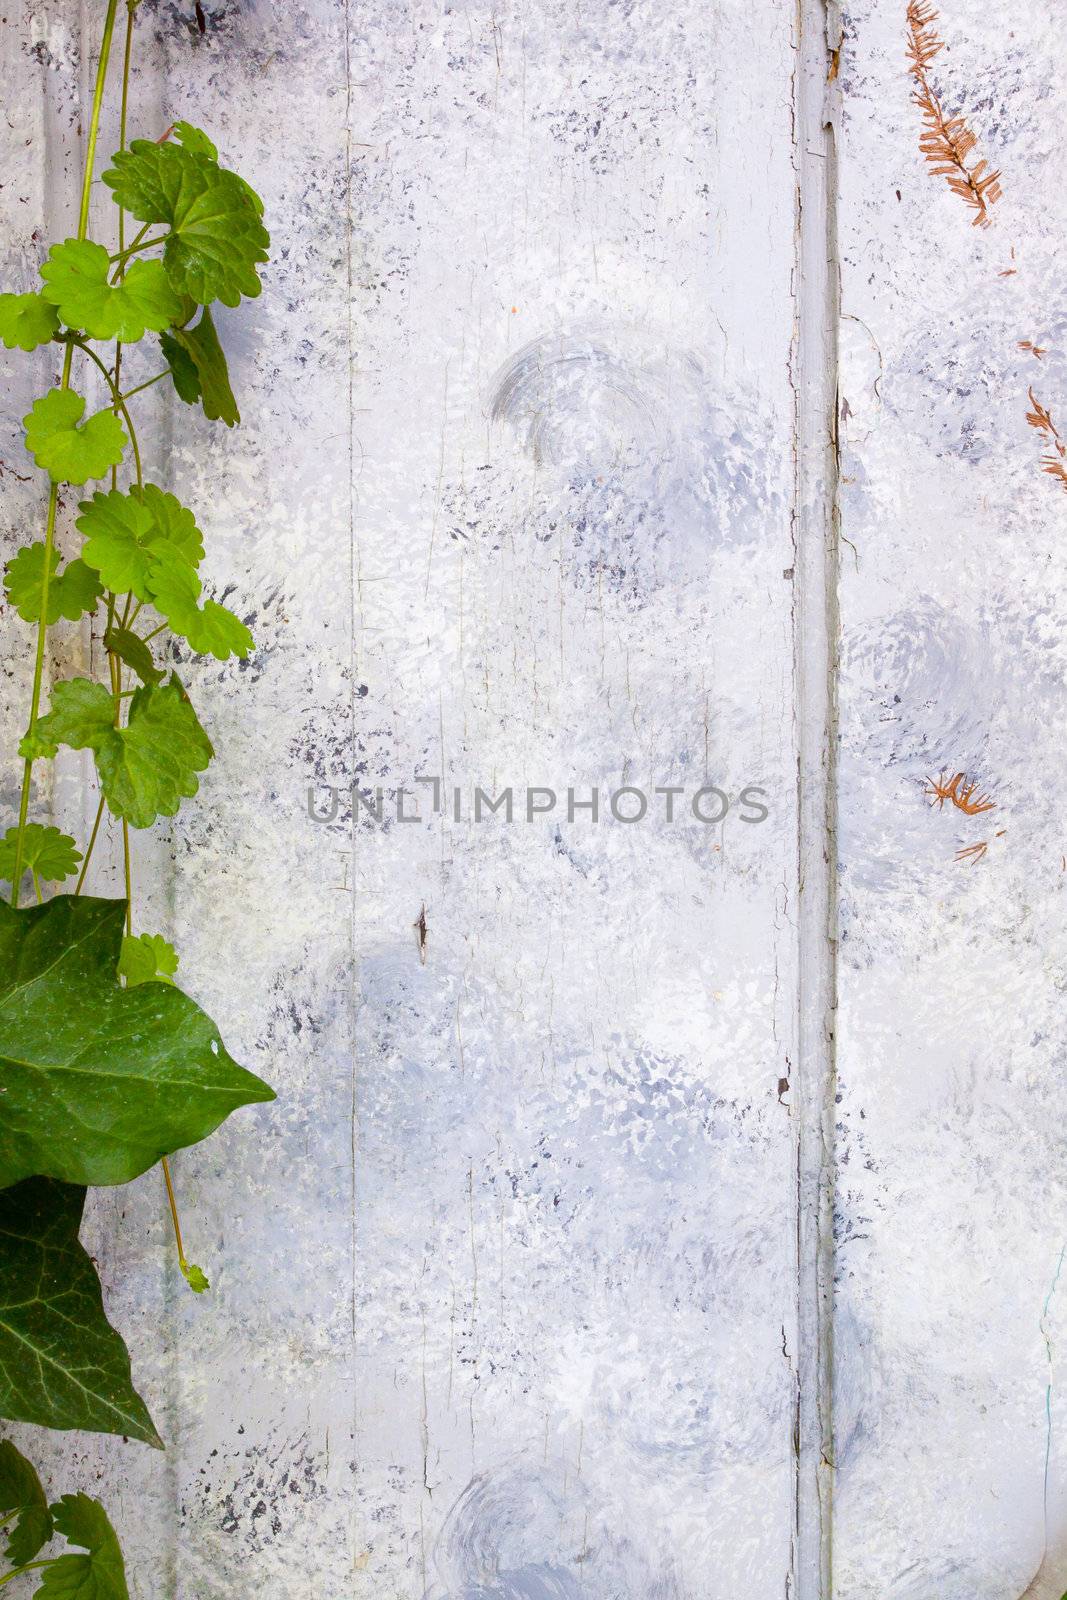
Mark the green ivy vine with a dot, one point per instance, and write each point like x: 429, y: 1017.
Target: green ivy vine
x: 106, y: 1067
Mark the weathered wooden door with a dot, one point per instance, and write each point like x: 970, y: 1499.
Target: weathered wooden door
x: 662, y: 1201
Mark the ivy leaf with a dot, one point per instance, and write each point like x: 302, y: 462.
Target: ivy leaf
x: 195, y: 1277
x: 76, y: 282
x: 22, y: 1496
x: 71, y: 593
x: 67, y: 452
x: 26, y: 321
x: 146, y: 768
x: 148, y: 958
x: 52, y: 855
x: 198, y: 366
x: 101, y: 1575
x: 62, y: 1365
x: 98, y: 1082
x: 216, y: 237
x: 133, y: 653
x: 194, y: 139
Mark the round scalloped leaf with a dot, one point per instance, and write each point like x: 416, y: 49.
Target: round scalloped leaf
x: 26, y: 321
x: 52, y: 855
x: 70, y: 453
x: 71, y: 593
x: 76, y: 282
x: 100, y: 1575
x: 195, y: 140
x: 147, y: 958
x: 216, y: 237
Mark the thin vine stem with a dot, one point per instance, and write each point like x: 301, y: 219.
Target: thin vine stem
x: 53, y: 494
x: 89, y: 847
x: 29, y: 1567
x: 120, y: 405
x: 140, y: 243
x: 128, y: 393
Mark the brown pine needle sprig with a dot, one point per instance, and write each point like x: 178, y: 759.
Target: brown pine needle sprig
x: 965, y: 796
x: 1054, y: 461
x: 945, y: 141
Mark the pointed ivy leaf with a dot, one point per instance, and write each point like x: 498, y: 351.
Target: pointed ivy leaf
x: 194, y: 139
x: 148, y: 958
x: 62, y: 1365
x: 46, y: 851
x: 202, y: 369
x: 216, y: 237
x: 71, y: 593
x: 26, y: 321
x: 22, y: 1497
x: 195, y: 1277
x: 76, y: 277
x: 133, y: 653
x: 146, y: 768
x: 101, y: 1575
x: 182, y: 369
x: 67, y: 452
x: 98, y: 1082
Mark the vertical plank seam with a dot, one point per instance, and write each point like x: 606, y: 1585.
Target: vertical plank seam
x: 814, y: 369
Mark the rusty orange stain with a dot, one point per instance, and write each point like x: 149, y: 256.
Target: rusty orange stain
x: 962, y: 798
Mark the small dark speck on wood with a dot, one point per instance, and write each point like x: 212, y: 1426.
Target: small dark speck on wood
x: 783, y: 1088
x: 421, y: 933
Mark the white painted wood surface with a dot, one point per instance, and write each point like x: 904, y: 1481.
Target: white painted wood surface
x: 522, y: 1290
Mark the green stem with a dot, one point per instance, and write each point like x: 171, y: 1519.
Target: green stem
x: 92, y: 841
x: 29, y: 1567
x: 53, y: 495
x: 147, y: 385
x: 145, y: 637
x: 140, y: 243
x: 182, y: 1262
x: 120, y: 405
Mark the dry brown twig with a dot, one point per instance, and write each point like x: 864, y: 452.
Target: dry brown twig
x: 946, y: 142
x: 1054, y: 461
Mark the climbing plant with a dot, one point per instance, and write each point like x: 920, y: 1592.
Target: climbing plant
x: 106, y: 1067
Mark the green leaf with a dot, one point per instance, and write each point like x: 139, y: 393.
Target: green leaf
x: 101, y: 1575
x: 182, y: 369
x: 26, y: 321
x: 133, y: 653
x: 46, y: 851
x: 211, y: 629
x: 32, y: 747
x: 125, y: 534
x: 147, y: 958
x: 198, y: 366
x: 71, y: 593
x: 97, y: 1081
x: 216, y: 237
x: 22, y: 1496
x: 146, y: 768
x: 67, y: 452
x: 62, y: 1365
x: 173, y: 522
x: 195, y: 1277
x: 194, y: 139
x: 76, y: 282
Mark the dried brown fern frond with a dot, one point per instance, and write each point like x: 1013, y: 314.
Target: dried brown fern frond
x: 946, y: 142
x: 1054, y: 461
